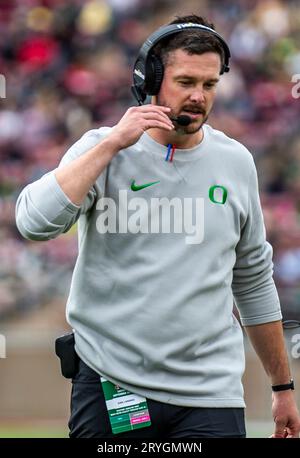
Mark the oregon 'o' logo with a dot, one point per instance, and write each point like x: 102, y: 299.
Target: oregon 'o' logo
x: 218, y: 194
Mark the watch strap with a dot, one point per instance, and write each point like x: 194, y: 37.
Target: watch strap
x: 285, y: 386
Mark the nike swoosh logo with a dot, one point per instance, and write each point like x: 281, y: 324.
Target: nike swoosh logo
x: 135, y: 187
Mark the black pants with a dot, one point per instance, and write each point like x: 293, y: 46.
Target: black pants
x: 89, y: 416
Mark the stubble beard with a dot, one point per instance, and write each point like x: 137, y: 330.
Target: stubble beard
x: 190, y: 129
x: 183, y: 130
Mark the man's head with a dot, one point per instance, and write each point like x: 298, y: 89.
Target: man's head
x: 192, y: 62
x: 180, y: 65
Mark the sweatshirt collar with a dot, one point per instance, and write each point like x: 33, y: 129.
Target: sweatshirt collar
x: 188, y: 154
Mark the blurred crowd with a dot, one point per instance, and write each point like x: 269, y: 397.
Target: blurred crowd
x: 67, y: 67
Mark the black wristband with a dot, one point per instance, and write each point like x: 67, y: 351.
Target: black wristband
x: 286, y: 386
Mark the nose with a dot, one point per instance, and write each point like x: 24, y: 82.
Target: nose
x: 197, y: 96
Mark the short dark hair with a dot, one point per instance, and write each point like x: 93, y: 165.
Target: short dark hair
x: 191, y: 41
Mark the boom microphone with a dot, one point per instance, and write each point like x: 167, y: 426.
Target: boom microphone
x: 182, y: 120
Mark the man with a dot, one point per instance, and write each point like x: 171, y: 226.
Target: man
x: 167, y: 236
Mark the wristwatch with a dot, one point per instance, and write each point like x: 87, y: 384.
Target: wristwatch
x: 286, y: 386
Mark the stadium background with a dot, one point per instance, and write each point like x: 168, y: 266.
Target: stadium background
x: 67, y: 67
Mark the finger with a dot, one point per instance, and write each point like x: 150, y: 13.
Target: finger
x: 160, y: 116
x: 280, y: 430
x: 150, y: 107
x: 291, y: 434
x: 153, y: 110
x: 158, y: 124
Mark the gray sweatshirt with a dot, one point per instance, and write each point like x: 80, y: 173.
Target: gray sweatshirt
x: 159, y: 266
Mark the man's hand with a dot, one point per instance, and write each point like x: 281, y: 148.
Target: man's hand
x: 285, y: 414
x: 136, y: 121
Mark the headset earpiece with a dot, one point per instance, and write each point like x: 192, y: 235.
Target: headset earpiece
x: 154, y: 73
x: 147, y: 77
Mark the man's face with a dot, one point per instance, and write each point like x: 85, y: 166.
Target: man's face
x: 189, y: 86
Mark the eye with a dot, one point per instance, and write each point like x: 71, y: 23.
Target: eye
x: 184, y: 83
x: 210, y: 85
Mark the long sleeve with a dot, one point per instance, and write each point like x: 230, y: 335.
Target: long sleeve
x: 253, y: 285
x: 43, y: 211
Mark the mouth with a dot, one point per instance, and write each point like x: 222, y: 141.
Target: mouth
x: 194, y: 114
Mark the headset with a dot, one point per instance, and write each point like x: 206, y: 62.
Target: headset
x: 148, y: 70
